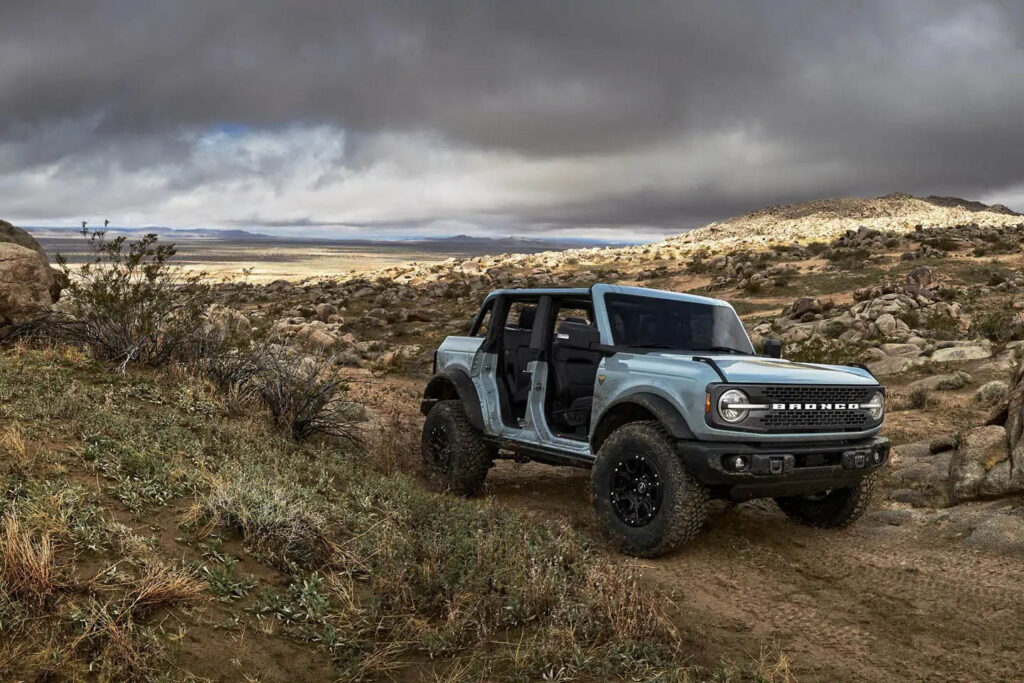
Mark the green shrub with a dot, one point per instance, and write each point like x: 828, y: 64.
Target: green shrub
x: 998, y: 324
x: 939, y: 326
x: 818, y: 349
x: 127, y: 303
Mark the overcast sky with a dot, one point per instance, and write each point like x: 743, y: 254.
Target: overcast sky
x: 547, y: 118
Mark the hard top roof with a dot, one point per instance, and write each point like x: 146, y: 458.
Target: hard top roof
x: 610, y: 289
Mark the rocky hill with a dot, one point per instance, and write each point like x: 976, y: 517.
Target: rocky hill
x: 826, y: 219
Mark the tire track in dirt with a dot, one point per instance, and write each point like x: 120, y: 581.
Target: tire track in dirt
x: 872, y: 602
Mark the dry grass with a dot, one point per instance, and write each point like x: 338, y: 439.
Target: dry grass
x: 28, y: 563
x: 393, y: 441
x: 277, y: 525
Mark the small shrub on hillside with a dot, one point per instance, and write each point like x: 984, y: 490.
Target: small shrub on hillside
x: 938, y: 326
x: 128, y: 303
x: 943, y: 243
x: 698, y: 262
x: 753, y: 286
x: 304, y: 394
x: 786, y: 277
x: 998, y: 324
x: 917, y: 399
x: 818, y: 349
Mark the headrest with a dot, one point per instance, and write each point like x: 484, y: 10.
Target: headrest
x: 571, y: 324
x: 527, y: 317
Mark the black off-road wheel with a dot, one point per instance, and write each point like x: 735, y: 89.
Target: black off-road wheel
x: 649, y: 504
x: 832, y: 509
x: 454, y: 453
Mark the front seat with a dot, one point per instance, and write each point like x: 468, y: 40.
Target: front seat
x: 574, y: 373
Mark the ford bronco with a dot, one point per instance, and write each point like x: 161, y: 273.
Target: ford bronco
x: 663, y: 396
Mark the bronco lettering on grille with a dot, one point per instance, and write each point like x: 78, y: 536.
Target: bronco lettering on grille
x: 815, y: 406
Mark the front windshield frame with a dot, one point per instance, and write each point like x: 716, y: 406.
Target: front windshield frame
x: 670, y: 324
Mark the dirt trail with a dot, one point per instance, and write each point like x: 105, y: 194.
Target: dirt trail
x: 875, y: 602
x: 871, y: 603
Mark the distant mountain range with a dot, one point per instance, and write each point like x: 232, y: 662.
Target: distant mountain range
x: 455, y: 243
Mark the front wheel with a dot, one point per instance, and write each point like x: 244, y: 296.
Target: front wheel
x: 832, y: 509
x: 453, y: 451
x: 649, y: 504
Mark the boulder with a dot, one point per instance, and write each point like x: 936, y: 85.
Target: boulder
x: 961, y: 353
x: 25, y: 271
x: 27, y: 283
x: 325, y: 311
x: 951, y: 382
x: 979, y: 451
x: 919, y: 475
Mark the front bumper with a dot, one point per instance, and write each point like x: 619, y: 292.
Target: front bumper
x: 781, y: 469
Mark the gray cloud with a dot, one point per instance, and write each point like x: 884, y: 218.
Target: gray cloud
x: 524, y: 116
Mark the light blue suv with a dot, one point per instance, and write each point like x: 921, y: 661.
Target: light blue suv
x: 663, y: 395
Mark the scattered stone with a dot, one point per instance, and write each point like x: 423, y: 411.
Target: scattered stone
x: 961, y: 353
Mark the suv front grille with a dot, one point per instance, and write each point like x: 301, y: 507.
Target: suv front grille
x: 803, y: 420
x: 797, y: 394
x: 796, y: 419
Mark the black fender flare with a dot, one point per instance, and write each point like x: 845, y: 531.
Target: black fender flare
x: 444, y: 384
x: 629, y: 409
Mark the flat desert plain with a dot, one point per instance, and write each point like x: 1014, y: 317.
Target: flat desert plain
x: 272, y: 260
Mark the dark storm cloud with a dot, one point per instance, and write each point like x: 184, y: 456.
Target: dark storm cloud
x: 559, y: 110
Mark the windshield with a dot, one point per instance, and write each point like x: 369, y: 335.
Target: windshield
x: 649, y: 322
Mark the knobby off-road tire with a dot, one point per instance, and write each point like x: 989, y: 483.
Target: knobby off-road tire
x: 834, y: 510
x: 454, y: 452
x: 634, y: 458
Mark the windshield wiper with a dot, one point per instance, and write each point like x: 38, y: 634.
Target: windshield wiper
x: 725, y: 349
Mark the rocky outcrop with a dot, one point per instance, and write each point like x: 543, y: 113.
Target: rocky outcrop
x: 981, y: 466
x: 28, y: 285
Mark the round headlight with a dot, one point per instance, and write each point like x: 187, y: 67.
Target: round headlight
x: 732, y: 397
x: 876, y: 407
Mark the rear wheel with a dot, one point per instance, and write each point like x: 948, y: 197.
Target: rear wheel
x: 830, y: 509
x: 454, y: 452
x: 649, y: 504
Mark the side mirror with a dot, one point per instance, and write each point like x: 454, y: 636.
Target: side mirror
x: 773, y: 348
x: 578, y: 336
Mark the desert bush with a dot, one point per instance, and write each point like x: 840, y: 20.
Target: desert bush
x: 998, y: 324
x: 992, y: 392
x: 819, y: 349
x: 917, y: 399
x: 698, y: 262
x: 128, y: 303
x: 786, y: 277
x: 849, y: 259
x: 938, y: 326
x: 304, y: 393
